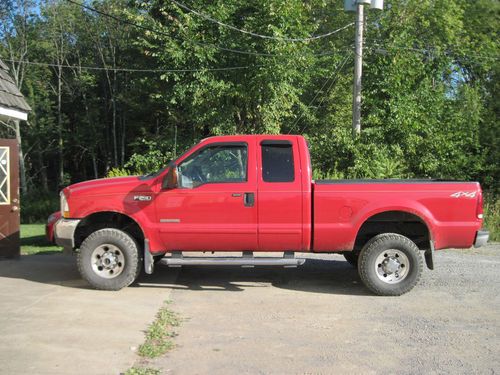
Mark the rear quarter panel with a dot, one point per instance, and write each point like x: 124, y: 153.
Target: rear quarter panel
x: 447, y: 208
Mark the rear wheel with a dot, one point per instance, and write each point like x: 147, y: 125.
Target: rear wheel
x: 390, y: 264
x: 109, y: 259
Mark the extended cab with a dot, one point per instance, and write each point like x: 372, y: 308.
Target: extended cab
x: 253, y: 194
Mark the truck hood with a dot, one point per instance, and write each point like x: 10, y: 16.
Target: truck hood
x: 109, y: 186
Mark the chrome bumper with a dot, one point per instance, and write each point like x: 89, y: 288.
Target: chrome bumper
x: 481, y: 238
x: 64, y: 233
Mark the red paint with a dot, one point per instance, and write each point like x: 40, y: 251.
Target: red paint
x: 49, y: 227
x: 213, y: 216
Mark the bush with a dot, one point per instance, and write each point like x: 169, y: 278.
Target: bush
x: 492, y: 216
x: 118, y: 172
x: 36, y: 207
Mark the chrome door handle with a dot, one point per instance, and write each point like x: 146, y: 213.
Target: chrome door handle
x: 236, y: 194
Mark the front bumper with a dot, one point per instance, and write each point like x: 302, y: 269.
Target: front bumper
x: 64, y: 233
x: 481, y: 238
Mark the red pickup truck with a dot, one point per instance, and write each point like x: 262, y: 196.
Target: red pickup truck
x: 255, y: 193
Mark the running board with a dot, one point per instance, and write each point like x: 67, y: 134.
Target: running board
x: 246, y: 261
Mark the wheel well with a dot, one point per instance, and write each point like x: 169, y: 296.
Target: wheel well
x: 101, y: 220
x: 404, y: 223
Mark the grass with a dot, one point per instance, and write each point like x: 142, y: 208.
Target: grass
x: 158, y: 341
x: 160, y: 333
x: 33, y: 240
x: 137, y: 370
x: 492, y: 217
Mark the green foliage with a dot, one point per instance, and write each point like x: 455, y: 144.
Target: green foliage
x: 430, y: 85
x: 37, y: 206
x: 138, y: 370
x: 492, y: 216
x: 118, y: 172
x: 160, y: 333
x: 150, y: 160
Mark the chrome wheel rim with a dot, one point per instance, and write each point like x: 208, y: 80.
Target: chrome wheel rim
x: 108, y: 261
x: 392, y: 266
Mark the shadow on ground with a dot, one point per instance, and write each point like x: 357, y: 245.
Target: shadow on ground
x: 39, y: 245
x: 315, y: 276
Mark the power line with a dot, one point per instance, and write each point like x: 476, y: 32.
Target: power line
x: 432, y: 50
x: 332, y: 80
x: 132, y: 69
x: 463, y: 59
x: 232, y: 50
x: 283, y: 39
x: 336, y: 75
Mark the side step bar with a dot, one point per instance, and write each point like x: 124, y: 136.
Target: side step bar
x: 246, y: 261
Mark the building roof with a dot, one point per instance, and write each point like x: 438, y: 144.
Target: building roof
x: 10, y: 96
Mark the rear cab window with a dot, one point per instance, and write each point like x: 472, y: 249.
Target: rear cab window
x: 277, y: 161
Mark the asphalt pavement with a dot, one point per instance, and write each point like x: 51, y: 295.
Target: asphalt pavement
x: 317, y: 319
x: 320, y: 319
x: 51, y: 322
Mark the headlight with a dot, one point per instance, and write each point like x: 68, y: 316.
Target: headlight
x: 64, y: 205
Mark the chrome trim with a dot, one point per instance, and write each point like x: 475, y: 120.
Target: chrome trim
x: 170, y: 220
x: 247, y: 260
x: 64, y: 233
x: 482, y: 237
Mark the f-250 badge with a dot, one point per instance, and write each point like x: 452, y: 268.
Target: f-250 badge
x: 142, y: 198
x: 464, y: 194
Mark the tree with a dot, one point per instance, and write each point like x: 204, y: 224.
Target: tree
x: 16, y: 31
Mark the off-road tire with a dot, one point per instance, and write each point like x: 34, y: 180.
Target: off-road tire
x: 367, y: 264
x: 129, y: 249
x: 351, y: 257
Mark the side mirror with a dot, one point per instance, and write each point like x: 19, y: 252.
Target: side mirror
x: 170, y: 181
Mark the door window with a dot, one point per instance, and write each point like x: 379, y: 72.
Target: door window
x: 4, y: 176
x: 214, y: 164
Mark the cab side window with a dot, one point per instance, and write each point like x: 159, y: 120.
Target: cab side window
x: 277, y: 161
x: 214, y: 164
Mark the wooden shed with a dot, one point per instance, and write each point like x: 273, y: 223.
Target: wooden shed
x: 13, y: 109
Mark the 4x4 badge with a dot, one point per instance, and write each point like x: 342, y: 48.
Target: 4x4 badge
x: 465, y: 194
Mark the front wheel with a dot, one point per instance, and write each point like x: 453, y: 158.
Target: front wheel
x: 109, y: 259
x: 390, y: 264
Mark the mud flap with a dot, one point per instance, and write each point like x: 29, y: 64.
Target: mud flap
x: 429, y: 256
x: 149, y: 264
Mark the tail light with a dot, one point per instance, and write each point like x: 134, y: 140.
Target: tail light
x: 479, y: 208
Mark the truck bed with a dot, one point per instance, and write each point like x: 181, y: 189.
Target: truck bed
x: 447, y: 209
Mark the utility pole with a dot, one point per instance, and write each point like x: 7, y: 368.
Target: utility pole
x: 358, y: 7
x: 358, y: 70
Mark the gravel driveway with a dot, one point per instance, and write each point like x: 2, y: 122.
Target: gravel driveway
x: 319, y: 318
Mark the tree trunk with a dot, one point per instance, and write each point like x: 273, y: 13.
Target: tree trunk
x: 124, y: 128
x: 43, y: 170
x: 22, y: 166
x: 94, y: 165
x: 60, y: 128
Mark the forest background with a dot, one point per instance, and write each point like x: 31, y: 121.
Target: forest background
x: 123, y: 86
